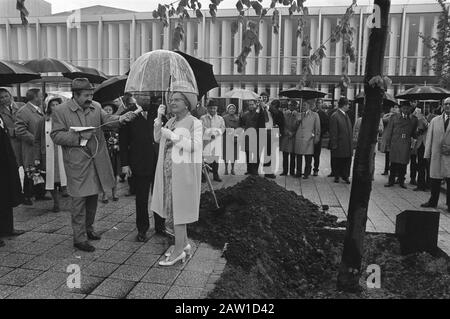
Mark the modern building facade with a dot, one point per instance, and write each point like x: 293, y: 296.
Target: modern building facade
x: 112, y: 41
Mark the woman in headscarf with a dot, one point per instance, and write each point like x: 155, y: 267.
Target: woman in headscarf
x: 230, y: 142
x: 112, y: 143
x: 177, y: 189
x: 49, y: 156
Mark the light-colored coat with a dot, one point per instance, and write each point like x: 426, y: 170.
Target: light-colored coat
x: 399, y: 133
x: 27, y: 124
x: 308, y: 133
x: 291, y: 122
x: 10, y: 122
x: 88, y: 169
x: 439, y: 164
x: 186, y: 175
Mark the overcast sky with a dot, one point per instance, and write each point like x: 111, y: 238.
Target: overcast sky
x: 150, y: 5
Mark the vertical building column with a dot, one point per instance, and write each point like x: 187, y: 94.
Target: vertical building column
x: 352, y: 66
x: 133, y: 40
x: 190, y: 37
x: 214, y: 52
x: 365, y: 45
x: 326, y: 32
x: 3, y: 48
x: 360, y: 36
x: 274, y: 52
x: 237, y: 46
x: 113, y: 43
x: 338, y: 65
x: 419, y: 61
x: 262, y: 58
x: 166, y: 40
x: 92, y: 46
x: 287, y: 49
x: 313, y: 38
x: 61, y: 49
x: 51, y: 43
x: 156, y: 36
x: 124, y: 48
x: 70, y: 53
x: 299, y: 56
x: 434, y: 35
x: 402, y: 42
x: 405, y: 36
x: 8, y: 39
x: 31, y: 43
x: 100, y: 44
x: 81, y: 46
x: 393, y: 54
x: 145, y: 37
x: 226, y: 54
x: 22, y: 44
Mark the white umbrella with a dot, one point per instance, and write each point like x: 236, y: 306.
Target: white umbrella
x: 241, y: 94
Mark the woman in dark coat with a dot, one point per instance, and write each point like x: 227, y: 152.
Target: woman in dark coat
x: 10, y: 187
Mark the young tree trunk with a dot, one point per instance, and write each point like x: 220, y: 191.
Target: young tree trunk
x: 350, y: 268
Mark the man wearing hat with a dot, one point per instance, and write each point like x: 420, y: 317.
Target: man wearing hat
x: 86, y: 160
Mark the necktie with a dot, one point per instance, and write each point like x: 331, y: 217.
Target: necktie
x: 446, y: 124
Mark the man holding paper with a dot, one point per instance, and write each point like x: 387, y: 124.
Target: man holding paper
x: 85, y: 155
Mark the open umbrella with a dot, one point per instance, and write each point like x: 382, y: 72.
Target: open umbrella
x: 424, y: 93
x: 241, y: 94
x: 47, y: 65
x: 388, y: 99
x: 110, y: 89
x: 203, y: 73
x: 93, y: 75
x: 303, y: 93
x: 159, y: 72
x: 12, y: 73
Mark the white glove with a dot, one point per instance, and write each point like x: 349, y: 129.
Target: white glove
x: 161, y: 111
x: 169, y: 135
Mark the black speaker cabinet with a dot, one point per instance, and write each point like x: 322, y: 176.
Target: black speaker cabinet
x: 417, y: 231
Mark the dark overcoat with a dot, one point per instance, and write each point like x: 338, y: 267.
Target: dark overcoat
x: 341, y: 135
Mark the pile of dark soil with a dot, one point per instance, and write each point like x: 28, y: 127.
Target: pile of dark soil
x: 278, y: 245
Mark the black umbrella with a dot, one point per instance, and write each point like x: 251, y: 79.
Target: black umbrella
x: 303, y: 93
x: 93, y: 75
x: 47, y: 65
x: 424, y: 93
x: 110, y: 89
x: 12, y: 73
x: 388, y: 99
x: 203, y: 72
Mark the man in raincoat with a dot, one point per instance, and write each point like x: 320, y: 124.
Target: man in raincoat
x: 86, y: 160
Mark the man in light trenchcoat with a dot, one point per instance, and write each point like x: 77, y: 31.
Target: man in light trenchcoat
x: 401, y: 130
x: 27, y: 124
x: 86, y: 160
x: 437, y: 151
x: 306, y: 137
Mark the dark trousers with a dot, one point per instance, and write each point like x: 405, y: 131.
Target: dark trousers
x: 267, y: 148
x: 30, y: 190
x: 342, y: 167
x: 317, y: 151
x: 131, y: 185
x: 252, y: 168
x: 308, y: 161
x: 436, y: 190
x: 423, y: 169
x: 143, y: 185
x: 6, y: 221
x: 333, y: 166
x: 413, y: 167
x: 289, y: 167
x: 397, y: 170
x: 386, y: 162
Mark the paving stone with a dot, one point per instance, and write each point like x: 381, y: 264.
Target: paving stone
x: 48, y: 228
x: 152, y: 248
x: 41, y: 263
x: 114, y: 256
x: 158, y: 239
x: 88, y: 284
x: 130, y: 272
x: 89, y: 255
x: 100, y: 269
x: 148, y: 291
x: 49, y: 280
x: 192, y: 279
x: 35, y: 248
x: 6, y: 290
x: 62, y: 251
x: 104, y: 243
x: 5, y: 270
x: 19, y: 277
x: 142, y: 259
x: 206, y: 266
x: 98, y: 297
x: 32, y: 293
x: 127, y: 246
x: 164, y: 276
x: 30, y: 236
x: 66, y: 230
x: 177, y: 292
x: 219, y: 267
x: 53, y: 239
x: 207, y: 254
x: 123, y: 226
x: 114, y: 234
x: 114, y: 288
x: 62, y: 264
x: 213, y: 279
x: 15, y: 259
x: 11, y: 246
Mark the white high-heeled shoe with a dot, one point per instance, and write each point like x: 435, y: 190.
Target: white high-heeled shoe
x: 182, y: 257
x: 187, y: 249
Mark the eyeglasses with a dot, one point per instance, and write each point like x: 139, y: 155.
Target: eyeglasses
x: 176, y: 100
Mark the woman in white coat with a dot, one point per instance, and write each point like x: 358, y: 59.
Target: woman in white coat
x: 177, y: 188
x: 49, y: 156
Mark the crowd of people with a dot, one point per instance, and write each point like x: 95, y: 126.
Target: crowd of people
x: 123, y: 142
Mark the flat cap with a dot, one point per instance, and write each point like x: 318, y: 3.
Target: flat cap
x: 79, y: 84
